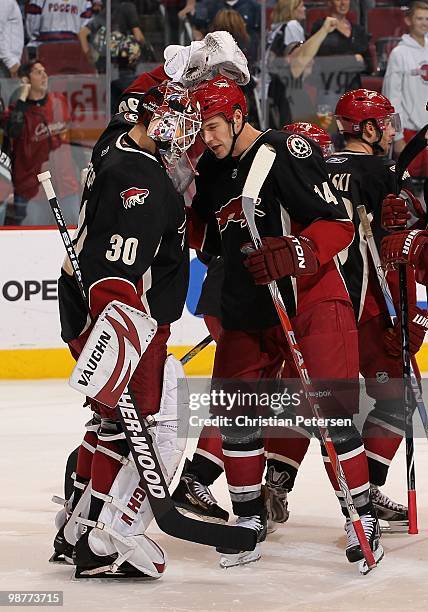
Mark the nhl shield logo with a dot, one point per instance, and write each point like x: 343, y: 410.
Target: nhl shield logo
x: 382, y: 377
x: 133, y: 196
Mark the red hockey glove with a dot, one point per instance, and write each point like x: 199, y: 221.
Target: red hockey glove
x: 404, y: 248
x: 280, y: 256
x: 405, y: 210
x: 418, y: 325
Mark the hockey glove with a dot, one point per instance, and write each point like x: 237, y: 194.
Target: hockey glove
x: 404, y: 248
x: 418, y: 325
x: 403, y: 211
x: 280, y: 256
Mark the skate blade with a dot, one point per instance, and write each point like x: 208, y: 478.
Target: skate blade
x: 378, y: 556
x: 60, y: 559
x: 202, y: 517
x: 241, y: 558
x: 395, y: 527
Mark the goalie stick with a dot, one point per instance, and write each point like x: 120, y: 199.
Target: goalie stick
x: 259, y: 170
x: 412, y: 391
x: 140, y: 444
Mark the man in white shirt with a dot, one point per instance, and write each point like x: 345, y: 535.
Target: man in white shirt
x: 11, y: 38
x: 406, y: 81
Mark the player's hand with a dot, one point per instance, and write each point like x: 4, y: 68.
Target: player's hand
x: 418, y: 325
x: 397, y: 210
x: 280, y: 256
x: 404, y: 248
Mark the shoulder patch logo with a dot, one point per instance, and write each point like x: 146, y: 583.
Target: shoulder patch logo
x: 298, y: 147
x: 133, y: 196
x: 130, y: 117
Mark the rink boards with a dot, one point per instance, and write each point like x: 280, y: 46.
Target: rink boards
x: 30, y: 342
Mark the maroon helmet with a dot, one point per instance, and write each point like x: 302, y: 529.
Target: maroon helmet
x: 218, y: 96
x: 314, y: 132
x: 360, y: 105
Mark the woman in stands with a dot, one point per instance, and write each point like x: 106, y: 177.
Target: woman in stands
x: 350, y: 41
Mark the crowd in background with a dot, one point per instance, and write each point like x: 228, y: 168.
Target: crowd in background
x: 53, y: 73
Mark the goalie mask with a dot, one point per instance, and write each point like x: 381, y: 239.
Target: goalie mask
x: 175, y: 122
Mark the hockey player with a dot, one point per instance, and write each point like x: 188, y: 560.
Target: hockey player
x: 362, y: 175
x: 131, y: 244
x: 298, y: 206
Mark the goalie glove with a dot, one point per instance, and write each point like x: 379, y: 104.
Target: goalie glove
x: 280, y: 256
x: 405, y: 248
x: 418, y: 325
x: 402, y: 211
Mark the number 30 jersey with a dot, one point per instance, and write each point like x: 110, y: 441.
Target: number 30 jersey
x: 131, y: 238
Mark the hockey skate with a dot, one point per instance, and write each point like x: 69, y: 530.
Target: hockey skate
x: 353, y: 551
x: 63, y: 551
x: 275, y: 499
x: 387, y: 510
x: 232, y: 558
x: 193, y: 497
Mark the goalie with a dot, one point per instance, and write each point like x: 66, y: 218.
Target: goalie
x: 132, y: 247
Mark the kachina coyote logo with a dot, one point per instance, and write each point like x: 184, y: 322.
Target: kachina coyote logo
x: 232, y: 212
x: 133, y: 196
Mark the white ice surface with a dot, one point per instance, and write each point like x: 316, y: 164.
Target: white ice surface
x: 303, y: 566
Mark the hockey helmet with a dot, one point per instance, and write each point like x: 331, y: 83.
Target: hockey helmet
x: 175, y: 122
x: 220, y: 95
x: 355, y: 107
x: 314, y: 132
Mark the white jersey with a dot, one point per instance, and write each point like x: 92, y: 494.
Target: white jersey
x: 56, y: 21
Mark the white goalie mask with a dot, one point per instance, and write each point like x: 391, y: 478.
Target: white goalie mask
x: 175, y: 123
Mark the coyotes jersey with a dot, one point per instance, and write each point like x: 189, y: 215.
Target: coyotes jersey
x: 56, y: 21
x: 296, y: 198
x: 131, y: 240
x: 363, y: 179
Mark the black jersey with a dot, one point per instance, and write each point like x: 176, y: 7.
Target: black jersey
x: 131, y: 238
x: 362, y: 179
x: 296, y: 194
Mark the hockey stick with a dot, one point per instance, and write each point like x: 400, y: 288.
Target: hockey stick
x: 259, y: 170
x: 415, y: 146
x: 140, y: 444
x: 196, y: 349
x: 411, y: 391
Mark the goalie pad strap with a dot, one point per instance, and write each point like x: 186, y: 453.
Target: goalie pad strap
x: 116, y: 456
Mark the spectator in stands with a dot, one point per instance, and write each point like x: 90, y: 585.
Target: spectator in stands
x: 38, y: 125
x: 55, y: 21
x: 229, y: 20
x: 124, y: 22
x: 11, y: 38
x: 250, y: 11
x: 406, y: 81
x: 173, y: 14
x: 349, y: 43
x: 5, y: 164
x: 128, y: 54
x: 290, y: 61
